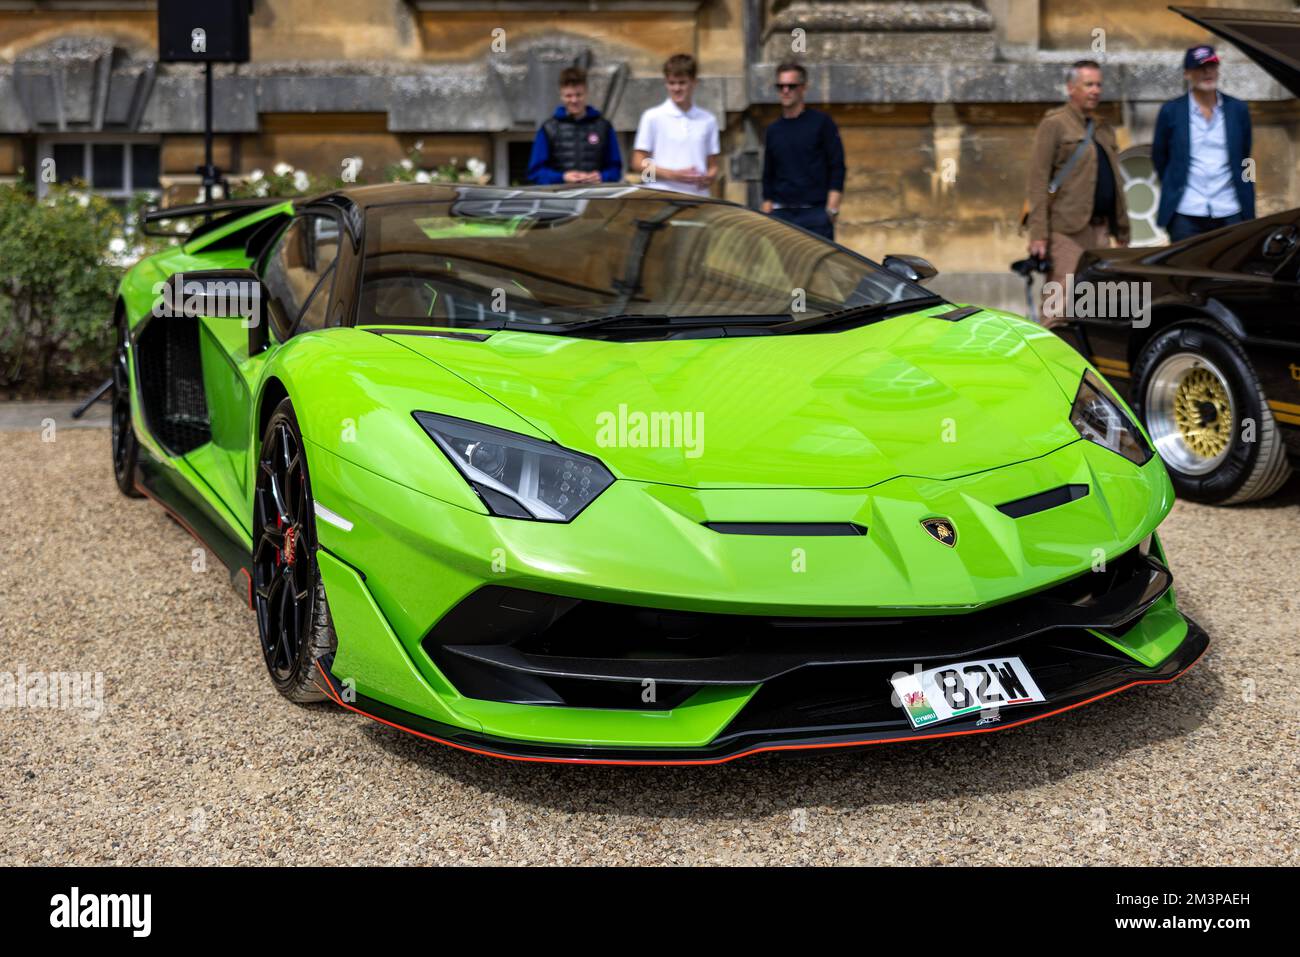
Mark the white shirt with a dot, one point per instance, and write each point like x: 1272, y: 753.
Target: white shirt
x: 677, y: 140
x: 1209, y: 189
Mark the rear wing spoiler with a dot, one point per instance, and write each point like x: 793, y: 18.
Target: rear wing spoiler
x: 206, y: 210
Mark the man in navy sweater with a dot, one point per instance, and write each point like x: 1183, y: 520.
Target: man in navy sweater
x: 1201, y: 143
x: 803, y: 162
x: 577, y: 144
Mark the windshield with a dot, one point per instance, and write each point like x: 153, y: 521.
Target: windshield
x: 559, y: 260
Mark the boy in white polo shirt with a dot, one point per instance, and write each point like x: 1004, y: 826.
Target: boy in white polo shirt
x: 676, y: 143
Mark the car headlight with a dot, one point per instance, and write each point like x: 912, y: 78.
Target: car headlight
x: 515, y: 476
x: 1099, y: 418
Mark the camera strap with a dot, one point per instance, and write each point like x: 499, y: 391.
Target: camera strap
x: 1079, y: 150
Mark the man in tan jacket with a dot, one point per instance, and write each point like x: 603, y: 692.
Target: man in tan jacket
x: 1076, y: 196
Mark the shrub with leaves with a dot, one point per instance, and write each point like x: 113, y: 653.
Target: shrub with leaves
x: 60, y: 263
x: 413, y: 169
x: 286, y: 181
x: 282, y: 181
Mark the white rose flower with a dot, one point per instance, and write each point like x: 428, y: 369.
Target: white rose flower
x: 301, y: 181
x: 117, y: 245
x: 407, y: 164
x: 422, y: 177
x: 255, y: 175
x: 476, y: 166
x: 419, y: 145
x: 282, y: 169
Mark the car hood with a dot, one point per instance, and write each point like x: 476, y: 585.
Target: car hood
x: 1269, y: 37
x: 912, y: 395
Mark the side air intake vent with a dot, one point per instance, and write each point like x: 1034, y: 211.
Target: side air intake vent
x: 170, y: 372
x: 1043, y: 501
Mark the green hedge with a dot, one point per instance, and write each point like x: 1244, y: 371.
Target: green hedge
x: 60, y: 261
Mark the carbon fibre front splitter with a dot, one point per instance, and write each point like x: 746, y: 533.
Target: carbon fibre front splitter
x: 1097, y: 683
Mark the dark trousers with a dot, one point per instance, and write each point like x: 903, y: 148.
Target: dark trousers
x: 815, y: 219
x: 1185, y: 227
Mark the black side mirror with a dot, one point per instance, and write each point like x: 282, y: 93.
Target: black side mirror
x: 1280, y: 242
x: 236, y: 294
x: 911, y: 268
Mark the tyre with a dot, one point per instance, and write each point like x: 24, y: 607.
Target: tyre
x: 1202, y: 405
x: 293, y: 618
x: 126, y: 450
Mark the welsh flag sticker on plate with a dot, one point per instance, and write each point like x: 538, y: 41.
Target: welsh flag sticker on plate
x: 953, y: 691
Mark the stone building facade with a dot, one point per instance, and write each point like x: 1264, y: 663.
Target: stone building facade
x: 936, y: 99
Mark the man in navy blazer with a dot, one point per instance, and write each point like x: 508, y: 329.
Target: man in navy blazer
x: 1201, y: 144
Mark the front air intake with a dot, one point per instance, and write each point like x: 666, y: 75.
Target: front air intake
x: 1043, y: 501
x: 787, y: 528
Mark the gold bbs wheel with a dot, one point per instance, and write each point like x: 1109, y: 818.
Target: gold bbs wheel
x: 1190, y: 413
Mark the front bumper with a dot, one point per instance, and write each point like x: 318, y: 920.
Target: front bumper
x: 684, y: 643
x: 524, y: 691
x: 806, y: 712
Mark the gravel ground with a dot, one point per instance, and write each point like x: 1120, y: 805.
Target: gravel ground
x: 196, y: 760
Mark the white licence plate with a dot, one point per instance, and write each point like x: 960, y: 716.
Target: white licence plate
x: 952, y: 691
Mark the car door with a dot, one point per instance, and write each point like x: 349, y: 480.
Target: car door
x: 1251, y: 270
x: 1254, y: 278
x: 297, y: 263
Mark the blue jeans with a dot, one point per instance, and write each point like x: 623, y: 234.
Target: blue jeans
x: 1185, y: 227
x: 815, y: 219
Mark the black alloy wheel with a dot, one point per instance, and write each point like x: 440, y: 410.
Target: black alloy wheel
x: 292, y: 614
x: 126, y: 451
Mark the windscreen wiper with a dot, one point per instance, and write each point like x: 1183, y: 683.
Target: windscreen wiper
x: 873, y: 310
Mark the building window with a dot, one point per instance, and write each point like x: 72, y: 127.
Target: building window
x: 115, y: 168
x: 1142, y: 196
x: 511, y: 152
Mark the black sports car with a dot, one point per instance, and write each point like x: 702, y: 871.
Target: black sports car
x: 1212, y: 365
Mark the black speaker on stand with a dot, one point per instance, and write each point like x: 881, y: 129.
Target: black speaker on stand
x: 214, y: 31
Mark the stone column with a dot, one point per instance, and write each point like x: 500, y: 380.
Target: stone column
x: 1017, y: 28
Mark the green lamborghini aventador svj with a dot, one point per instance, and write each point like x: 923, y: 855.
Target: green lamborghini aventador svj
x: 614, y: 475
